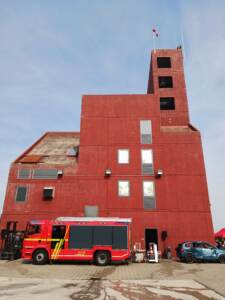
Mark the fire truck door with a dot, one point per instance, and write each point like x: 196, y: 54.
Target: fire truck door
x: 58, y: 237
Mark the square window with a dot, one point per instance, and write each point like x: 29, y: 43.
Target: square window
x: 123, y: 156
x: 163, y: 62
x: 123, y: 188
x: 21, y: 193
x: 167, y: 103
x: 165, y: 81
x: 48, y: 193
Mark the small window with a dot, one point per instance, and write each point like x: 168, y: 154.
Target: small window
x: 123, y: 156
x: 123, y: 188
x: 21, y: 193
x: 149, y: 195
x: 167, y: 103
x: 165, y: 82
x: 23, y: 174
x: 147, y: 162
x: 45, y: 174
x: 146, y: 131
x: 74, y: 151
x: 163, y: 62
x: 33, y: 229
x: 48, y: 193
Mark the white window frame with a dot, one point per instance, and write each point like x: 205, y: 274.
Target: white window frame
x: 153, y: 188
x: 142, y: 156
x: 128, y: 194
x: 145, y: 130
x: 122, y: 161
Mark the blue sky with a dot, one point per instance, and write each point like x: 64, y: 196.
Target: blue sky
x: 52, y: 52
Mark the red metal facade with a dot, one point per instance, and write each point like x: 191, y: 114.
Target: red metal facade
x: 112, y: 122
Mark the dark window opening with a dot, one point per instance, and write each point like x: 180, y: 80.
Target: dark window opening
x: 48, y: 193
x: 167, y: 103
x: 45, y: 174
x: 21, y: 193
x: 33, y: 229
x: 163, y: 62
x: 165, y: 82
x: 23, y: 174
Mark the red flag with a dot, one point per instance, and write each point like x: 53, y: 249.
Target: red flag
x: 155, y: 32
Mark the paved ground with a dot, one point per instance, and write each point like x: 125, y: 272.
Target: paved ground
x: 167, y: 280
x: 58, y: 289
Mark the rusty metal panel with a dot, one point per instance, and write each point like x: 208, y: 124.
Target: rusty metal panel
x: 31, y: 159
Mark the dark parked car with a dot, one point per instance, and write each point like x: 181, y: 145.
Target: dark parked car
x: 192, y: 251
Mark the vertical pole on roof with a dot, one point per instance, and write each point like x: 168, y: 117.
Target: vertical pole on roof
x: 153, y: 38
x: 182, y: 43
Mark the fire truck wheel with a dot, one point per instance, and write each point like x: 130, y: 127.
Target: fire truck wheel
x: 40, y: 257
x: 102, y: 258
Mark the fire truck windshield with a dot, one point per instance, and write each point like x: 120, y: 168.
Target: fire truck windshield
x: 33, y: 229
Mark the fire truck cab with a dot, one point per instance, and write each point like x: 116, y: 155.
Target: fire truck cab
x: 100, y: 240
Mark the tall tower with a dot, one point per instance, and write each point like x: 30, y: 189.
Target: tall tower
x: 167, y: 83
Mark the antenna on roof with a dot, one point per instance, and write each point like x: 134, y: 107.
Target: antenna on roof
x: 182, y: 42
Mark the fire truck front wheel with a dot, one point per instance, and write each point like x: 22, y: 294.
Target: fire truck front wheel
x: 40, y: 257
x: 102, y: 258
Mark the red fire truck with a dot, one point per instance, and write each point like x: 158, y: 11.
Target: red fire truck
x: 101, y: 240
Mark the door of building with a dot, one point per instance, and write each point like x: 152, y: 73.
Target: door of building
x: 151, y: 236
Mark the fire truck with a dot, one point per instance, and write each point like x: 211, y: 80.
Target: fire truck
x: 100, y: 240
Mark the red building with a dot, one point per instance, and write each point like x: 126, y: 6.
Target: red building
x: 136, y: 156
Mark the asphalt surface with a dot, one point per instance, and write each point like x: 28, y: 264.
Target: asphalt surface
x: 166, y: 280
